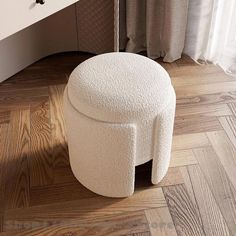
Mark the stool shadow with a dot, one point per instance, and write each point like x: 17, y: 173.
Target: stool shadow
x: 74, y: 201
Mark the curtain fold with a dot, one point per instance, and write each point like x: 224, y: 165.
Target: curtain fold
x: 198, y: 27
x: 211, y: 32
x: 156, y: 26
x: 203, y: 29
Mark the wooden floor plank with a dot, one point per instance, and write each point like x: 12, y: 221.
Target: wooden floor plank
x: 229, y: 125
x: 182, y: 158
x: 18, y: 98
x: 183, y: 70
x: 41, y: 159
x: 18, y: 95
x: 204, y: 110
x: 195, y: 124
x: 213, y: 221
x: 85, y: 209
x: 139, y: 234
x: 134, y: 223
x: 189, y: 187
x: 201, y: 89
x: 23, y: 105
x: 42, y: 195
x: 3, y: 161
x: 17, y: 175
x: 4, y: 117
x: 160, y: 222
x: 1, y: 222
x: 172, y: 177
x: 225, y: 152
x: 206, y: 99
x: 183, y: 212
x: 63, y: 175
x: 180, y: 77
x: 219, y: 184
x: 59, y: 144
x: 232, y: 106
x: 189, y: 141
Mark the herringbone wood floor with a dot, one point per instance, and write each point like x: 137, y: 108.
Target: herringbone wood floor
x: 40, y: 196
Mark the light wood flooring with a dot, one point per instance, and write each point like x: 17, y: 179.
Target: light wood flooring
x: 40, y: 196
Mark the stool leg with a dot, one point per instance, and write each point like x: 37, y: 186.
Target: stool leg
x: 163, y: 141
x: 102, y: 155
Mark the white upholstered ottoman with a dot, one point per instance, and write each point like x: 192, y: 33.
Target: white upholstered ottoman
x: 119, y: 112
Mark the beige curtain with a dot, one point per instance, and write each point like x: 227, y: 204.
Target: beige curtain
x: 155, y: 26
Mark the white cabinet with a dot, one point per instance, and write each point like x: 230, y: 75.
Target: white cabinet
x: 16, y: 15
x: 86, y: 25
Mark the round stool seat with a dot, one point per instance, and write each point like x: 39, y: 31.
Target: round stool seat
x: 118, y: 87
x: 119, y: 113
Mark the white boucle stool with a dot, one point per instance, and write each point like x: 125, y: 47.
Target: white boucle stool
x: 119, y: 113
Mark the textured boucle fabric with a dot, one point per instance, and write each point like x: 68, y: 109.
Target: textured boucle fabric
x: 118, y: 87
x: 101, y: 154
x: 119, y: 112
